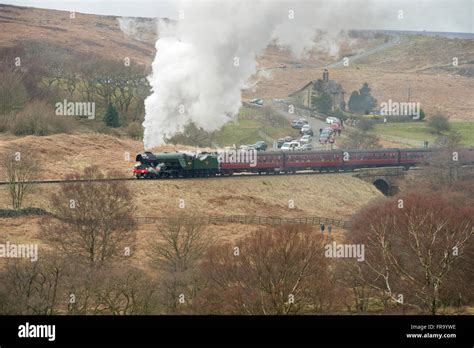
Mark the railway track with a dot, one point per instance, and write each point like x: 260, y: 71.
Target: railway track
x: 236, y: 175
x: 65, y: 181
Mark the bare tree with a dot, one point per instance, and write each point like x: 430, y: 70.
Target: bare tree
x: 451, y: 140
x: 273, y: 271
x: 33, y: 287
x: 113, y: 290
x: 177, y: 252
x: 444, y: 167
x: 413, y: 243
x: 181, y: 244
x: 13, y: 94
x: 98, y: 218
x: 359, y: 139
x: 58, y: 285
x: 20, y: 167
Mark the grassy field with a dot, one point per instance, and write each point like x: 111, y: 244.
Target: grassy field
x: 250, y: 126
x: 420, y: 131
x: 248, y: 132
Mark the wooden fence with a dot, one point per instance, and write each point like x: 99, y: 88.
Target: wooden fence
x: 246, y: 219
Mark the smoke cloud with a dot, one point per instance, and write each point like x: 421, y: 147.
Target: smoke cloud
x: 205, y: 59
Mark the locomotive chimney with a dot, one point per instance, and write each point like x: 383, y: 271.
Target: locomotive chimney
x: 326, y: 75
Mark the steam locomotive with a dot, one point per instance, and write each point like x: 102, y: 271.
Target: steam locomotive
x: 179, y: 164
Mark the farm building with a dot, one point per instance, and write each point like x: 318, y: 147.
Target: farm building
x: 303, y: 97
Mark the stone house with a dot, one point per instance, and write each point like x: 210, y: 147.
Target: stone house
x: 303, y: 96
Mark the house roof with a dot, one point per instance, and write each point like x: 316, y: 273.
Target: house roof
x: 310, y: 83
x: 330, y: 87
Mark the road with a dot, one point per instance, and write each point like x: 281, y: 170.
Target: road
x: 395, y: 40
x: 316, y: 123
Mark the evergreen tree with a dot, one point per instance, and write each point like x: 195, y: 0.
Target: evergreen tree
x: 422, y: 115
x: 362, y: 101
x: 354, y: 102
x: 367, y: 100
x: 322, y: 103
x: 111, y: 118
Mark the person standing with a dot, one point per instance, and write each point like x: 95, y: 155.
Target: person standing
x: 322, y: 228
x: 329, y: 229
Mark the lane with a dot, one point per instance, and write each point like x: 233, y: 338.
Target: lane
x: 315, y: 122
x: 395, y: 40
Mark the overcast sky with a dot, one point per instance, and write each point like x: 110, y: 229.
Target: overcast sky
x: 430, y: 15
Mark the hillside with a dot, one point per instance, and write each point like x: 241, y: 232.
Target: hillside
x: 450, y: 94
x: 419, y: 63
x: 85, y: 33
x: 336, y: 196
x: 331, y: 195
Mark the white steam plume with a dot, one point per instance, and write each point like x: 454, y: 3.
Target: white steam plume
x: 204, y: 60
x: 195, y: 78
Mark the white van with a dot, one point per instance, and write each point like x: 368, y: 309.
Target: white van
x: 290, y: 146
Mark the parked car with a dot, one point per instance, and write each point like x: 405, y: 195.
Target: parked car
x: 325, y: 136
x: 331, y: 120
x: 290, y: 146
x: 288, y: 139
x: 260, y: 146
x: 256, y: 101
x: 306, y: 129
x: 306, y: 147
x: 306, y: 139
x: 246, y: 147
x: 297, y: 124
x: 281, y: 65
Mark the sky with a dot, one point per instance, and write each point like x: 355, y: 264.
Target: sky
x: 429, y: 15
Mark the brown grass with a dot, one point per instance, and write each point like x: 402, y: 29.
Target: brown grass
x: 450, y: 94
x: 86, y: 33
x: 328, y: 195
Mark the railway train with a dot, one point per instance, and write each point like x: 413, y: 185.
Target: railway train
x: 179, y: 164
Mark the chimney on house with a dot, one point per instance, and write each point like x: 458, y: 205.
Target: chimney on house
x: 326, y: 75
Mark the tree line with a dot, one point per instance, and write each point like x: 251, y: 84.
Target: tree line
x: 30, y: 75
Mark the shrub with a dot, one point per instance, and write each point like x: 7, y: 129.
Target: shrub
x: 438, y: 123
x: 13, y: 93
x: 135, y: 130
x: 22, y: 212
x: 365, y: 125
x: 38, y: 118
x: 5, y: 122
